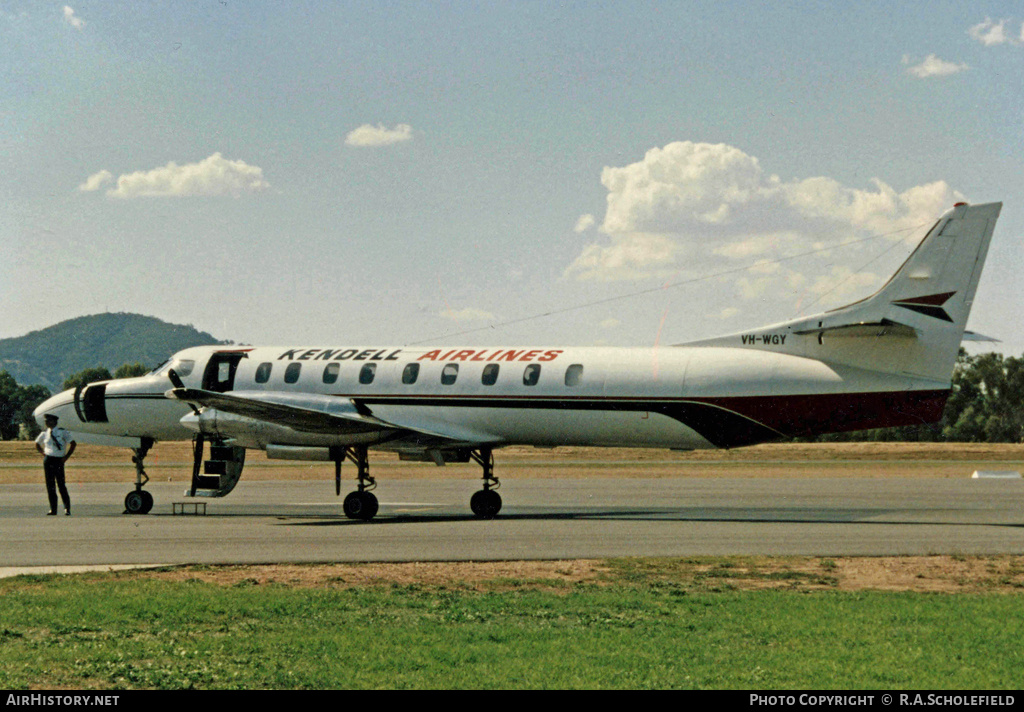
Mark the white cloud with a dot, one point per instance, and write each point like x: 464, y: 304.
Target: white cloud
x: 840, y: 284
x: 754, y: 245
x: 467, y: 314
x: 215, y: 175
x: 989, y: 32
x: 684, y: 182
x: 367, y: 136
x: 717, y: 206
x: 631, y: 256
x: 932, y: 66
x: 96, y: 181
x: 584, y: 223
x: 72, y: 19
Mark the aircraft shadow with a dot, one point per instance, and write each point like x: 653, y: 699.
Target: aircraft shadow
x: 862, y: 517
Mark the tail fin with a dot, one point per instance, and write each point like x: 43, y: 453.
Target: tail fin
x: 914, y: 324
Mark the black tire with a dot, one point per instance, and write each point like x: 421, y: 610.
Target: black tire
x: 485, y: 504
x: 360, y: 505
x: 135, y: 502
x: 147, y: 502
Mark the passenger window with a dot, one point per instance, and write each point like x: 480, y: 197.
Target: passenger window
x: 331, y: 372
x: 411, y: 373
x: 366, y: 373
x: 490, y: 376
x: 531, y: 375
x: 263, y: 372
x: 574, y: 374
x: 291, y: 374
x: 449, y: 374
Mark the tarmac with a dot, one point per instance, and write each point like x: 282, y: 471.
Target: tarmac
x: 542, y: 519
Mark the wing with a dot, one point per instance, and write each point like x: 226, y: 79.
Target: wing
x: 305, y: 412
x: 332, y: 415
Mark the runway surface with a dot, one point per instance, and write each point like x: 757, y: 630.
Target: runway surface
x: 429, y: 520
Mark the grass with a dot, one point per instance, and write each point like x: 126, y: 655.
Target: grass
x: 644, y: 624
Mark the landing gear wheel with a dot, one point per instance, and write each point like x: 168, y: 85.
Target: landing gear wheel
x: 135, y: 502
x: 360, y: 505
x: 139, y: 501
x: 485, y: 504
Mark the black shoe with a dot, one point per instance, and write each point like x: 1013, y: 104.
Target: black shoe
x: 51, y: 512
x: 67, y: 512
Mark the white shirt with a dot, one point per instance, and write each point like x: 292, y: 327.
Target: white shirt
x: 53, y: 441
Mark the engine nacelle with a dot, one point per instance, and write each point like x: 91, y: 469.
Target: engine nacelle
x: 253, y: 433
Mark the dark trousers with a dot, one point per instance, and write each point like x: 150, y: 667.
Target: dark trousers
x: 53, y: 468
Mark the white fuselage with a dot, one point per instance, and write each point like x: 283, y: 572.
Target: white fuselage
x: 672, y: 397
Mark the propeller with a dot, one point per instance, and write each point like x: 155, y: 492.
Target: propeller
x: 178, y: 383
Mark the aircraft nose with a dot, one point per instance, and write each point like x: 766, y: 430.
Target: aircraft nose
x: 52, y: 406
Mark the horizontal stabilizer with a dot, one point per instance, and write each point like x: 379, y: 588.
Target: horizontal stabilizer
x: 885, y: 327
x: 973, y: 336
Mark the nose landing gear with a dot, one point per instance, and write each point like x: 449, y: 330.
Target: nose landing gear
x: 139, y: 501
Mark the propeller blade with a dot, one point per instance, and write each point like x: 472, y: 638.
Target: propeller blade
x: 178, y: 383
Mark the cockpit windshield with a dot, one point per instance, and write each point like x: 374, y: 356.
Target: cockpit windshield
x: 181, y: 366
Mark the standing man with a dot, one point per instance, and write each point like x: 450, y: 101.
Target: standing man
x: 55, y: 445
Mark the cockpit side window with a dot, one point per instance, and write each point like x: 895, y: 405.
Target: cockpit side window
x: 182, y: 367
x: 291, y: 374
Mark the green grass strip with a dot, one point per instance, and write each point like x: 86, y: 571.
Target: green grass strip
x: 637, y: 629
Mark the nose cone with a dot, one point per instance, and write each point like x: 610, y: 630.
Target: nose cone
x: 60, y: 405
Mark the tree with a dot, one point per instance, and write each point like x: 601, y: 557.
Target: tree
x: 31, y: 397
x: 131, y: 370
x: 9, y: 405
x: 89, y: 375
x: 16, y: 406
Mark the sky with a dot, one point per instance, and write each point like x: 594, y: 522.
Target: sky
x: 593, y: 173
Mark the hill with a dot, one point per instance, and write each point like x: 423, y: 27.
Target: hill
x: 50, y: 355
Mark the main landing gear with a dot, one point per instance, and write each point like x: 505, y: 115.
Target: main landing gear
x: 139, y: 501
x: 486, y: 503
x: 363, y: 505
